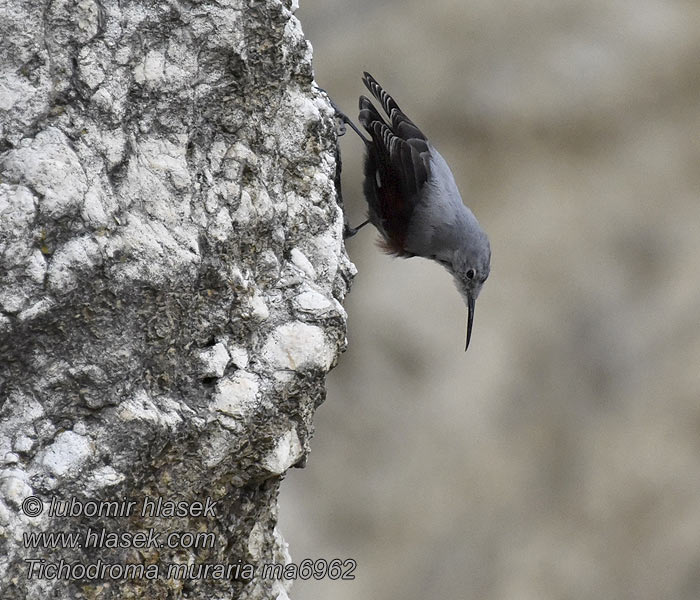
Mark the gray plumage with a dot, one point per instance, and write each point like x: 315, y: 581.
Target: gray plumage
x: 413, y: 199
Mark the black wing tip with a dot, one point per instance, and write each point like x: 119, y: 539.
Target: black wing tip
x: 401, y: 124
x: 372, y: 85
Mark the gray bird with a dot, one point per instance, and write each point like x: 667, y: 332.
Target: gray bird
x: 413, y: 199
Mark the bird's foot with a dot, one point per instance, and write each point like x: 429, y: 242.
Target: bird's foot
x: 342, y: 119
x: 348, y: 232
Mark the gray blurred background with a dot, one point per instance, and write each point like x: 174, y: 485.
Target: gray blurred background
x: 560, y: 457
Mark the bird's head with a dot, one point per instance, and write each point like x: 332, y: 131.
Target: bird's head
x: 470, y: 266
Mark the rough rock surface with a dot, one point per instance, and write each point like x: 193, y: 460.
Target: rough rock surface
x: 171, y: 272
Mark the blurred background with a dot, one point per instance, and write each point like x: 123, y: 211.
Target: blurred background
x: 560, y: 457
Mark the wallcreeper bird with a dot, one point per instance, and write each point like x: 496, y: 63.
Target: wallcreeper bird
x: 413, y: 199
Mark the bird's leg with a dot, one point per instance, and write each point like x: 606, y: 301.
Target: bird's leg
x: 348, y: 232
x: 343, y: 119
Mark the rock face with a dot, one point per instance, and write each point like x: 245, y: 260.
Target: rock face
x: 171, y: 272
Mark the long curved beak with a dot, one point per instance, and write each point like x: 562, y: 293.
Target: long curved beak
x: 471, y: 303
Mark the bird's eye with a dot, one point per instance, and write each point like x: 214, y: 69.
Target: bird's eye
x: 471, y: 273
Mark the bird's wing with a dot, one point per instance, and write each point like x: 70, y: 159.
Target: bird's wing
x: 399, y: 143
x: 400, y: 123
x: 397, y: 166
